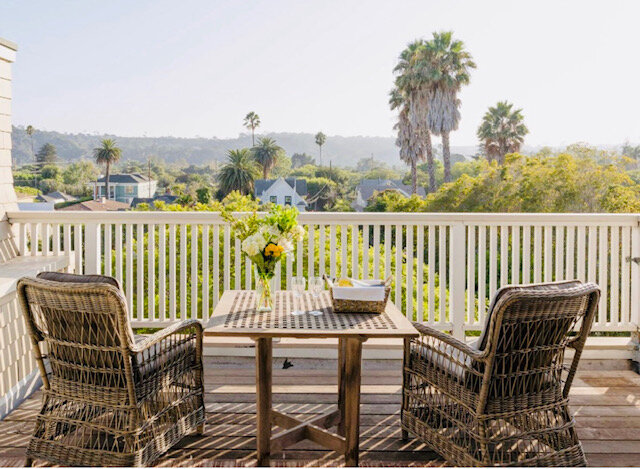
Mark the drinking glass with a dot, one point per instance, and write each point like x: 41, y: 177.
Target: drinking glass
x: 316, y: 285
x: 298, y: 284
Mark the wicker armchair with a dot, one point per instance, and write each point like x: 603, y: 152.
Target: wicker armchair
x: 504, y: 400
x: 110, y: 398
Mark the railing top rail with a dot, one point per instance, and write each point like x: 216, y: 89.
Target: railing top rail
x: 336, y: 218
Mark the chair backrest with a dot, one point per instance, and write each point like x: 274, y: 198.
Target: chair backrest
x: 529, y: 329
x: 83, y: 322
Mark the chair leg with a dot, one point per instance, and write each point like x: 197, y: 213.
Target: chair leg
x: 200, y: 429
x: 405, y: 435
x: 28, y: 462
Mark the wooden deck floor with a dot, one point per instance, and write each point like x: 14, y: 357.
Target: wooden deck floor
x: 606, y: 403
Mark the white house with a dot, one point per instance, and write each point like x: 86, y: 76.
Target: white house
x: 281, y: 191
x: 368, y: 187
x: 124, y: 187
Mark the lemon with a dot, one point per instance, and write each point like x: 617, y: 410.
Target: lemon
x: 345, y: 282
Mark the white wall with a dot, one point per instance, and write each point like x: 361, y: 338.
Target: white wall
x: 8, y: 199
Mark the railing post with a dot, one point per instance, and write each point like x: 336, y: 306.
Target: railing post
x: 635, y: 294
x: 457, y: 291
x: 92, y: 248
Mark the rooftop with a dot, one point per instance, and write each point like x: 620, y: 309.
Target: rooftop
x: 125, y: 178
x: 300, y: 185
x: 97, y: 205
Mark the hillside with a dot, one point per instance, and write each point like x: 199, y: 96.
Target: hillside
x: 341, y: 151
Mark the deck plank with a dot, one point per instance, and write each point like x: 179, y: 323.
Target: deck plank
x: 606, y: 404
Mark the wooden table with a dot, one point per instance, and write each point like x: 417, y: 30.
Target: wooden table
x: 235, y: 315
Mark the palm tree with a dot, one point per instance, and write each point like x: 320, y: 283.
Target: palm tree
x: 502, y: 131
x: 252, y: 121
x: 30, y: 131
x: 446, y: 65
x: 409, y: 98
x: 266, y: 154
x: 320, y: 140
x: 108, y: 153
x: 238, y: 173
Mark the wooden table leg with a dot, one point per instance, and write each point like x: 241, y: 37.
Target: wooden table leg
x: 352, y: 399
x: 263, y: 399
x: 342, y: 343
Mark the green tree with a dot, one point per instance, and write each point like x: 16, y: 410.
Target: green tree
x: 46, y: 154
x: 51, y: 171
x: 447, y: 65
x: 502, y: 131
x: 301, y: 159
x: 252, y: 122
x: 80, y: 173
x: 238, y: 173
x: 107, y: 153
x: 631, y: 151
x: 203, y: 195
x: 320, y: 140
x: 266, y: 154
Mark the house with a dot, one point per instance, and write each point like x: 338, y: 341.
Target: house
x: 102, y: 205
x: 368, y: 187
x: 55, y: 197
x: 124, y: 187
x: 281, y: 191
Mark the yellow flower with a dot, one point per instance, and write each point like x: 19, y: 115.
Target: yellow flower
x: 273, y: 250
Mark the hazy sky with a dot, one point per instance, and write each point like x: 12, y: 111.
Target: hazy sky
x: 188, y: 67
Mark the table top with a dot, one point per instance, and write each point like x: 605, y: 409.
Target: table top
x: 235, y: 315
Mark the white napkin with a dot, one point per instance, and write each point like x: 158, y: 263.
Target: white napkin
x: 362, y: 290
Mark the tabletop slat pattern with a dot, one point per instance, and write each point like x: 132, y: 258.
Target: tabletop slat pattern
x: 243, y: 314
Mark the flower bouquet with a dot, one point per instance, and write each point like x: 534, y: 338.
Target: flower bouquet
x: 266, y: 239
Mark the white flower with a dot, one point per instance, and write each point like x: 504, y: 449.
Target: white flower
x: 254, y: 244
x: 286, y: 244
x: 298, y: 233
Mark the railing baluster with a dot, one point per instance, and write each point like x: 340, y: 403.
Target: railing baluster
x: 162, y: 272
x: 614, y: 307
x: 310, y: 251
x: 442, y: 271
x: 409, y: 275
x: 216, y: 262
x: 432, y: 275
x: 151, y: 272
x: 183, y: 313
x: 226, y: 264
x: 321, y: 250
x: 560, y: 253
x: 504, y: 255
x: 603, y: 273
x: 526, y: 254
x: 172, y: 272
x: 354, y: 251
x: 515, y: 254
x: 77, y: 247
x: 581, y: 255
x: 140, y: 316
x: 570, y: 253
x: 482, y: 272
x: 107, y: 249
x: 344, y: 247
x: 332, y: 252
x: 625, y: 275
x: 237, y: 260
x: 195, y: 229
x: 471, y: 274
x: 205, y: 273
x: 398, y: 268
x: 387, y: 251
x: 129, y: 265
x: 118, y: 235
x: 548, y: 253
x: 56, y: 239
x: 493, y: 260
x: 537, y: 254
x: 376, y: 251
x: 365, y: 251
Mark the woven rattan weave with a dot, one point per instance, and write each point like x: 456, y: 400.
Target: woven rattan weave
x: 503, y: 402
x: 110, y: 398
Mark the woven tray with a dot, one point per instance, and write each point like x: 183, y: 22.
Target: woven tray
x: 358, y: 306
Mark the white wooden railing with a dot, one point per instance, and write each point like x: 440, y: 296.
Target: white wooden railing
x: 445, y: 267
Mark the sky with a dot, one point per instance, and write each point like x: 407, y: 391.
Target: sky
x: 196, y: 67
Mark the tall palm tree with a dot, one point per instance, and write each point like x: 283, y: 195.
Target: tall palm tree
x: 30, y: 131
x: 320, y: 140
x: 238, y: 173
x: 502, y: 131
x: 107, y: 154
x: 446, y: 65
x: 252, y: 121
x: 409, y: 98
x: 266, y: 154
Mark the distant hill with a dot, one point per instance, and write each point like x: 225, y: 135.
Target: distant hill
x: 341, y: 151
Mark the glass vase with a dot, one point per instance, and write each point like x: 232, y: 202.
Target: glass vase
x: 264, y: 295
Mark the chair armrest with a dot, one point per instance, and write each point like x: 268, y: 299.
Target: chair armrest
x: 462, y: 347
x: 167, y: 332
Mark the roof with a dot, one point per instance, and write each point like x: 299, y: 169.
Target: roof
x: 300, y: 185
x: 96, y: 206
x: 368, y: 186
x: 56, y: 196
x: 134, y: 178
x: 166, y: 198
